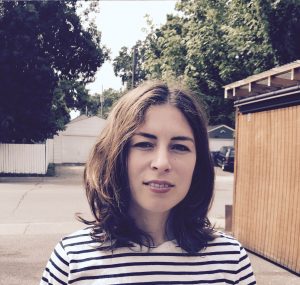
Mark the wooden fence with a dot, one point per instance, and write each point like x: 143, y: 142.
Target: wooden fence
x: 24, y: 158
x: 266, y: 212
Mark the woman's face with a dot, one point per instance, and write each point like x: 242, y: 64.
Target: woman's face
x: 161, y: 161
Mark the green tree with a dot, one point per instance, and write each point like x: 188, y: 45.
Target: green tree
x: 109, y: 96
x: 46, y: 57
x: 129, y: 61
x: 212, y: 43
x: 69, y: 94
x: 283, y: 18
x: 165, y: 50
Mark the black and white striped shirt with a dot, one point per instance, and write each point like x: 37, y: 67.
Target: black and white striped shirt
x: 75, y: 260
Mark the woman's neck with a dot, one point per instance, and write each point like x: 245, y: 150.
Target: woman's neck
x: 154, y: 224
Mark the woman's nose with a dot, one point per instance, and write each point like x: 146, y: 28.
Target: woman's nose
x: 161, y: 161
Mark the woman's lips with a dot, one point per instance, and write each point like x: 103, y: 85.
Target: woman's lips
x: 159, y: 186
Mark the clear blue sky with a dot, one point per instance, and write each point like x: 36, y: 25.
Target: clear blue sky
x: 121, y: 24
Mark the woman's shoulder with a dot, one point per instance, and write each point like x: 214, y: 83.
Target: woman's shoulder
x: 224, y: 242
x: 226, y: 237
x: 79, y: 240
x: 79, y: 235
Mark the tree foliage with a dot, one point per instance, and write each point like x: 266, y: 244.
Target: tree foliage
x: 46, y: 57
x: 109, y: 98
x: 128, y: 65
x: 209, y: 44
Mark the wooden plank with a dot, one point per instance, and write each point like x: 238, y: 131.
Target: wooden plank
x: 297, y: 190
x: 235, y: 221
x: 294, y: 251
x: 238, y: 220
x: 269, y: 184
x: 280, y: 224
x: 274, y: 225
x: 263, y: 189
x: 280, y: 191
x: 294, y: 192
x: 285, y: 125
x: 289, y: 184
x: 246, y: 209
x: 255, y: 197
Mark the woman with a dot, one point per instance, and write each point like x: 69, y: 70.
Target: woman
x: 149, y: 182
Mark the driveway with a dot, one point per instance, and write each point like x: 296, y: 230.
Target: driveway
x: 35, y: 213
x: 33, y: 205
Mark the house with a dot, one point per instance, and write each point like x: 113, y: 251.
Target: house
x: 220, y: 135
x: 74, y: 144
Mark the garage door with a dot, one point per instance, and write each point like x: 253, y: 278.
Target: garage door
x: 76, y: 149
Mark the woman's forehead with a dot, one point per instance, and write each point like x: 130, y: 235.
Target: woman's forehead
x: 165, y: 118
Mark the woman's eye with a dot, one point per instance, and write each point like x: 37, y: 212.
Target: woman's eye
x: 180, y: 148
x: 143, y: 145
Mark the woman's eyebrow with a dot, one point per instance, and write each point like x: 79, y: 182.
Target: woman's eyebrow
x: 182, y: 138
x: 146, y: 135
x: 177, y: 138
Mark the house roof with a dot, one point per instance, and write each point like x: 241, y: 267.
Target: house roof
x: 84, y: 126
x: 79, y: 118
x: 277, y: 78
x: 213, y: 128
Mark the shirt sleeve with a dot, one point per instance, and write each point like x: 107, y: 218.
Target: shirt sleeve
x: 57, y: 268
x: 245, y: 275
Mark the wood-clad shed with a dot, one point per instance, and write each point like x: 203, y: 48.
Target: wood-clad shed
x: 266, y: 208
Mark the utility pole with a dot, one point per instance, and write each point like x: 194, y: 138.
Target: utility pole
x: 133, y: 66
x: 101, y: 102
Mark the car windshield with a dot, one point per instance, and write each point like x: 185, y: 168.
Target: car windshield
x: 232, y: 153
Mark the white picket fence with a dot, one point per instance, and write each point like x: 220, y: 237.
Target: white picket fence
x: 26, y: 158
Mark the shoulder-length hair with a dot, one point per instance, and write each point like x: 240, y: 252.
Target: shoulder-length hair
x: 106, y: 175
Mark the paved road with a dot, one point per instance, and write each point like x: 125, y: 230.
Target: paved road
x: 223, y: 196
x: 36, y: 212
x: 42, y: 205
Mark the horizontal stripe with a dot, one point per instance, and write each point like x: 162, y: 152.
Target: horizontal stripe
x: 201, y: 254
x: 46, y: 280
x: 243, y: 258
x: 128, y: 264
x: 149, y: 273
x: 246, y: 277
x: 138, y: 255
x: 60, y: 258
x: 55, y: 277
x: 89, y: 241
x: 222, y: 243
x: 57, y: 268
x: 80, y: 243
x: 215, y: 281
x: 77, y: 236
x: 243, y: 268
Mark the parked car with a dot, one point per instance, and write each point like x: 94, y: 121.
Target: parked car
x: 225, y: 158
x: 213, y: 156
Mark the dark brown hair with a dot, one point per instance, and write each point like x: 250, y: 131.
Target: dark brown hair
x: 106, y: 176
